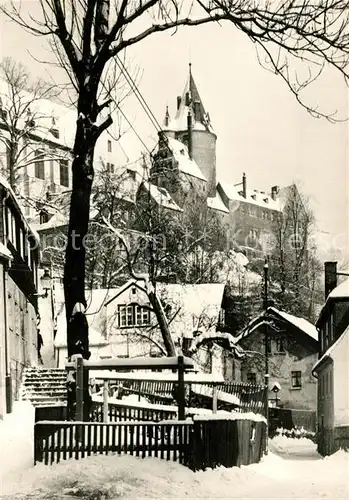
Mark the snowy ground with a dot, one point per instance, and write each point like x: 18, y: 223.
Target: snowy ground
x: 292, y: 470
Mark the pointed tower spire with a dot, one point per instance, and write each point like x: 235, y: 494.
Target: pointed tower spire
x: 167, y: 118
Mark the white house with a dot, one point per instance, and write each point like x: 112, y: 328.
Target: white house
x: 122, y: 323
x: 332, y: 367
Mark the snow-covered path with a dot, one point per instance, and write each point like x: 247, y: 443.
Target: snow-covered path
x: 292, y: 470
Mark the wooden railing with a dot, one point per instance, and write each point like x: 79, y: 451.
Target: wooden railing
x: 121, y: 411
x: 56, y: 441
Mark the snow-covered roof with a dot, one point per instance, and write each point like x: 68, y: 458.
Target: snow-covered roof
x: 341, y: 291
x: 43, y: 111
x: 57, y: 220
x: 257, y: 198
x: 161, y: 196
x: 217, y: 203
x: 95, y: 338
x: 94, y: 313
x: 29, y: 228
x: 300, y: 323
x: 265, y: 318
x: 185, y: 164
x: 198, y: 305
x: 331, y: 349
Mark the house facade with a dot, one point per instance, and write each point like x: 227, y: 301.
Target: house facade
x: 123, y: 324
x: 19, y: 258
x: 292, y: 346
x: 332, y: 367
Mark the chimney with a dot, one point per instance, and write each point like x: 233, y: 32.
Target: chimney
x: 330, y: 277
x: 179, y: 102
x: 274, y: 192
x: 244, y: 190
x: 190, y: 135
x: 167, y: 117
x: 197, y: 111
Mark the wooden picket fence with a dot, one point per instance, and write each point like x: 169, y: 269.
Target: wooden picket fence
x: 56, y: 441
x: 197, y: 444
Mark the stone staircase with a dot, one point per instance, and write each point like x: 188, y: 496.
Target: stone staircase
x: 44, y: 386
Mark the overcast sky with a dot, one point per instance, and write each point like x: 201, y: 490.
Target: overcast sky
x: 261, y: 128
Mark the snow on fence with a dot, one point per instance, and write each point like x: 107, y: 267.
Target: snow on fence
x: 242, y: 396
x: 197, y: 444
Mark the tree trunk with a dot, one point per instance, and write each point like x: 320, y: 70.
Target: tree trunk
x: 12, y: 155
x: 75, y: 256
x: 163, y: 324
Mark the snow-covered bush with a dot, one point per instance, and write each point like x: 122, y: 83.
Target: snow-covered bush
x: 296, y: 433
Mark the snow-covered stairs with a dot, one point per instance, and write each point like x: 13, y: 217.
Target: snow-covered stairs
x: 44, y: 386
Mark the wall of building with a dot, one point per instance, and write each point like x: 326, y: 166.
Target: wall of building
x: 281, y: 365
x: 2, y: 344
x: 340, y: 356
x: 22, y: 333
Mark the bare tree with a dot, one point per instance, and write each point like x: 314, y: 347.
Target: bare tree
x: 24, y: 127
x: 89, y: 34
x: 295, y: 269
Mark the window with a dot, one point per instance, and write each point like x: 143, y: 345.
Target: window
x: 269, y: 346
x: 133, y: 315
x: 63, y: 173
x: 11, y: 227
x: 39, y: 165
x: 252, y: 212
x: 110, y: 168
x: 109, y: 146
x: 280, y: 345
x: 252, y: 378
x: 296, y: 379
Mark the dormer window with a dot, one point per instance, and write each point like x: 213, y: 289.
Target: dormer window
x: 182, y: 152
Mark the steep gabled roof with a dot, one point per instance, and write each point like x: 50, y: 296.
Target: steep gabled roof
x: 272, y: 313
x: 216, y: 203
x: 190, y: 96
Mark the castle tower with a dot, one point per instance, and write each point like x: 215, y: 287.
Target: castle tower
x: 191, y: 125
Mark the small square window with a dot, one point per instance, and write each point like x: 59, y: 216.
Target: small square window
x: 296, y: 379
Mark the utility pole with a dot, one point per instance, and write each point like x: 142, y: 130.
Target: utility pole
x: 266, y: 373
